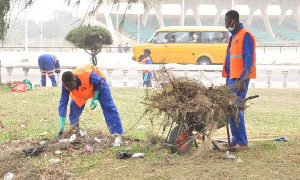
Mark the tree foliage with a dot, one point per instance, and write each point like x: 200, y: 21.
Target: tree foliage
x: 6, y: 6
x: 91, y: 39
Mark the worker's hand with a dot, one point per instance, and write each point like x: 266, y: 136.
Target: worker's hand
x: 62, y: 121
x: 93, y: 104
x: 146, y: 76
x: 240, y: 86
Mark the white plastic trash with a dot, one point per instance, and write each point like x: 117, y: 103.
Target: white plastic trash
x: 63, y: 141
x: 97, y: 139
x: 118, y: 141
x: 72, y: 138
x: 138, y: 155
x: 8, y: 176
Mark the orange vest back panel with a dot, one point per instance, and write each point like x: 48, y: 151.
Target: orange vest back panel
x: 236, y: 56
x: 85, y: 90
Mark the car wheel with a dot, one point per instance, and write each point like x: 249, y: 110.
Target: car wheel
x: 203, y: 61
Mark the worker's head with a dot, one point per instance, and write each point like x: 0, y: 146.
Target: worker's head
x: 232, y: 21
x: 69, y: 80
x: 147, y: 52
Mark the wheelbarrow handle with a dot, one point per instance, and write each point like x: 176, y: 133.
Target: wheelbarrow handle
x: 251, y: 97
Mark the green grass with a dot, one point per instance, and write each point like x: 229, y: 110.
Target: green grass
x: 275, y: 112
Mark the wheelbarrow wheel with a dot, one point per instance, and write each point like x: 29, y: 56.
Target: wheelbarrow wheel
x: 182, y: 145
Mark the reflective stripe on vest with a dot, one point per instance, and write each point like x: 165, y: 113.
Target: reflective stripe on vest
x: 236, y: 56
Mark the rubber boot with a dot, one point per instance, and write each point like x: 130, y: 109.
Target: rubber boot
x: 43, y: 80
x: 53, y: 81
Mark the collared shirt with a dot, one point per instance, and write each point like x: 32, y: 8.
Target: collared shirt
x: 64, y: 99
x: 247, y: 53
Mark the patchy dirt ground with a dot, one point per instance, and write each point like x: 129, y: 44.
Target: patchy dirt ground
x: 55, y: 158
x: 264, y: 160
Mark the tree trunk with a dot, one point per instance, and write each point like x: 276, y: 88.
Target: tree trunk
x: 94, y: 60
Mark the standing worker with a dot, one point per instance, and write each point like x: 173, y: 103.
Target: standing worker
x: 83, y: 83
x: 48, y: 63
x: 147, y: 75
x: 238, y: 68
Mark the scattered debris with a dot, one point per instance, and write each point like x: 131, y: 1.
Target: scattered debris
x: 8, y: 176
x: 72, y: 138
x: 138, y: 155
x: 34, y: 151
x: 123, y: 155
x: 122, y: 167
x: 228, y: 156
x: 118, y: 141
x: 54, y: 160
x: 57, y: 152
x: 44, y: 133
x: 89, y: 148
x: 141, y: 127
x: 238, y: 160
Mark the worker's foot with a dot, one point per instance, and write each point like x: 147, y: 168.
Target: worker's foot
x: 239, y: 147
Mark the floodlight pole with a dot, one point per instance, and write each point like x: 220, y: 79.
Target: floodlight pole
x: 26, y: 35
x: 138, y: 24
x: 182, y: 13
x: 41, y: 31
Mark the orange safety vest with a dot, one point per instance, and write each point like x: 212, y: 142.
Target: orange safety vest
x: 144, y: 62
x: 236, y: 56
x: 85, y: 90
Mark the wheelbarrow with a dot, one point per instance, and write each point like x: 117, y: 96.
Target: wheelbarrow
x: 180, y: 139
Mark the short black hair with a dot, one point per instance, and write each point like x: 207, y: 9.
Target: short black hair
x: 147, y: 51
x: 233, y: 14
x: 67, y: 77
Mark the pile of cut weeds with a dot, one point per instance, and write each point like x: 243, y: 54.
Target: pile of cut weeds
x: 190, y: 103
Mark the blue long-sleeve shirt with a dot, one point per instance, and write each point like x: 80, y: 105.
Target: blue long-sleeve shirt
x: 247, y: 54
x: 64, y: 99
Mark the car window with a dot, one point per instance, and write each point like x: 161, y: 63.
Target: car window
x: 161, y: 37
x: 214, y: 37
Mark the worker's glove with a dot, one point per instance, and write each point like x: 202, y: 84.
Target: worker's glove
x: 62, y: 121
x: 146, y: 76
x: 240, y: 86
x: 93, y: 104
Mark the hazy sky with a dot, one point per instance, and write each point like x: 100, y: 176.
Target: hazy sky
x: 43, y: 9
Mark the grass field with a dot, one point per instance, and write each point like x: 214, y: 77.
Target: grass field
x: 26, y: 116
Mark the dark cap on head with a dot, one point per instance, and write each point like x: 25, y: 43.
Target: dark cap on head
x: 147, y: 51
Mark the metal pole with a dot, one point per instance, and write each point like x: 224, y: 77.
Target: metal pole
x: 232, y: 4
x: 117, y: 25
x: 138, y: 25
x: 182, y: 13
x: 41, y: 31
x: 26, y: 35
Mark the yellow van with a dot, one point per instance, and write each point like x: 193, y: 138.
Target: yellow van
x: 201, y: 45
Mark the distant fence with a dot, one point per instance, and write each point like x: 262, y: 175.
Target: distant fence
x: 111, y: 49
x: 114, y: 49
x: 131, y: 75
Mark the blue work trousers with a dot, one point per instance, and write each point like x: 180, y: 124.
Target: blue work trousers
x: 112, y: 118
x: 238, y: 131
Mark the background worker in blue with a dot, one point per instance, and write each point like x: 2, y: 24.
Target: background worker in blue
x: 238, y: 68
x: 81, y: 84
x: 48, y: 65
x: 147, y: 75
